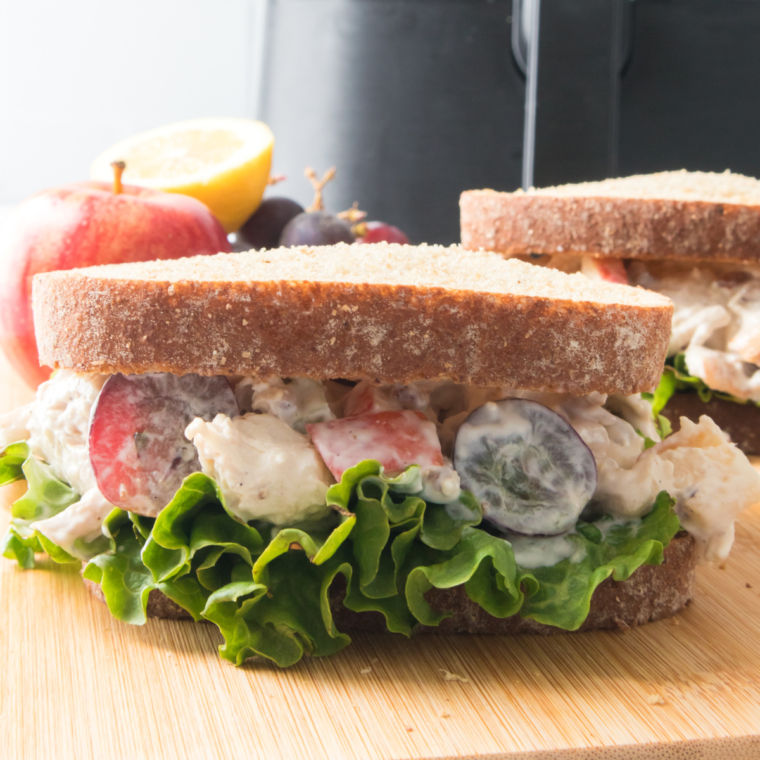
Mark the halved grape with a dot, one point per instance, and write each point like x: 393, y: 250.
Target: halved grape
x: 526, y: 465
x: 138, y: 448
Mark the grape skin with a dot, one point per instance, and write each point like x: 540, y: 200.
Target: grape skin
x: 264, y: 227
x: 316, y: 228
x: 527, y: 466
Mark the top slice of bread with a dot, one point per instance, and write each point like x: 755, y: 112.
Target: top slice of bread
x: 386, y: 313
x: 679, y: 215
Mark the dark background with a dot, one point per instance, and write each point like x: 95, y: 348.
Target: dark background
x: 417, y: 100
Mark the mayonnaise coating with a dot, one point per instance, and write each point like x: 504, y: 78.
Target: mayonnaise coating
x: 59, y: 425
x: 297, y: 402
x: 79, y: 524
x: 716, y: 321
x: 712, y: 482
x: 266, y: 470
x: 14, y: 425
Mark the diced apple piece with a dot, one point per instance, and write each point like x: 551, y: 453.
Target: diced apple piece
x: 395, y: 439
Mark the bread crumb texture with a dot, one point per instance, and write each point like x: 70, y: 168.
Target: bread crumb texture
x: 423, y: 267
x: 709, y: 187
x: 382, y: 312
x: 667, y: 215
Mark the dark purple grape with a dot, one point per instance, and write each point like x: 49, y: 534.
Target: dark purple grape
x: 264, y: 227
x: 316, y: 228
x: 526, y: 465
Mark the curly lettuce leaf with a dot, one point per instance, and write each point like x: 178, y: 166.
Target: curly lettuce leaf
x: 562, y: 594
x: 283, y: 619
x: 271, y: 596
x: 125, y: 580
x: 12, y: 461
x: 121, y: 574
x: 676, y: 377
x: 559, y: 595
x: 46, y: 496
x: 389, y: 519
x: 195, y: 520
x: 485, y: 564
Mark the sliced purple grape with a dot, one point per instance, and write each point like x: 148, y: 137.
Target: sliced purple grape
x: 526, y: 465
x: 316, y: 228
x: 138, y: 449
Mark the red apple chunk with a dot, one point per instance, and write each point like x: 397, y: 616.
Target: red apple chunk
x: 395, y: 439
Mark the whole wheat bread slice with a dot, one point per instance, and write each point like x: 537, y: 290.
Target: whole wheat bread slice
x: 386, y: 313
x: 653, y: 592
x: 670, y: 215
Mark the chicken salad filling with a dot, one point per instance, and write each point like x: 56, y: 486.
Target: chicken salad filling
x: 276, y: 446
x: 527, y: 500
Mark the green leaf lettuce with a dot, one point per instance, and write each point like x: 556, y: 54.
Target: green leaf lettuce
x: 270, y: 591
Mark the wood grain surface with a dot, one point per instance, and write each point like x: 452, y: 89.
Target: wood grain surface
x: 74, y: 683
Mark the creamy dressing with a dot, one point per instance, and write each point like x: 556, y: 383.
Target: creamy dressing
x: 545, y: 551
x: 440, y: 484
x: 269, y: 471
x: 297, y: 403
x: 716, y: 321
x: 79, y: 525
x: 14, y: 425
x: 711, y: 481
x: 60, y: 422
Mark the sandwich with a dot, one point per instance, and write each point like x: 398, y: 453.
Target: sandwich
x: 692, y: 236
x: 296, y: 444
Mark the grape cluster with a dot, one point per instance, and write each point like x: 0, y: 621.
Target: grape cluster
x: 283, y: 222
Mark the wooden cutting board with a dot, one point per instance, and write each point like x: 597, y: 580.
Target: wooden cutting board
x: 74, y: 683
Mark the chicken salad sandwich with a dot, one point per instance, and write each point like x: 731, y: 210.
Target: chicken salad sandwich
x: 692, y: 236
x: 300, y: 443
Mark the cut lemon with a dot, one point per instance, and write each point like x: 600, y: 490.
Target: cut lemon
x: 224, y: 163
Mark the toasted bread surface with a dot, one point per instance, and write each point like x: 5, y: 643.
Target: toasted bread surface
x: 697, y: 216
x: 385, y: 313
x: 653, y: 592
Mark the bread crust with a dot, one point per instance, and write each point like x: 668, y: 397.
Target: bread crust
x: 382, y: 333
x: 653, y: 592
x: 740, y: 421
x: 640, y: 228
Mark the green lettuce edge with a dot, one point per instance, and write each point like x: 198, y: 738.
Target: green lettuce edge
x: 270, y: 595
x: 676, y: 378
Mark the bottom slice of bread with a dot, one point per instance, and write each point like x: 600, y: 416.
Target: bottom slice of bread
x: 653, y: 592
x: 740, y: 421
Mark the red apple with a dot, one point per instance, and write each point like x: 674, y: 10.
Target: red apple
x: 85, y: 224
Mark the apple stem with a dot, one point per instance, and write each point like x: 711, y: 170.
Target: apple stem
x: 318, y: 185
x: 118, y: 169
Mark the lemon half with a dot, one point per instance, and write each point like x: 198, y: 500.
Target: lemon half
x: 224, y: 163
